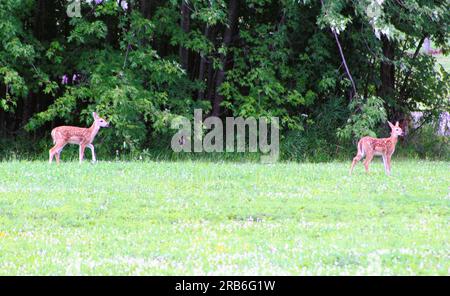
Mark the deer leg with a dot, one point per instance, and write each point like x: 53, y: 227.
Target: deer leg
x: 90, y: 146
x: 82, y: 148
x: 385, y: 164
x: 50, y: 152
x: 388, y: 165
x: 357, y: 158
x: 58, y: 152
x: 58, y: 157
x: 367, y: 161
x: 55, y: 151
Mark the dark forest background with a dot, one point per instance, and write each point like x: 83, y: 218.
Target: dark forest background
x: 331, y: 70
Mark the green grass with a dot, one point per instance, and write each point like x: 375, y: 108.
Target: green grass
x: 207, y: 218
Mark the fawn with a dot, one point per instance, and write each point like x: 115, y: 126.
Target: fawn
x: 385, y: 147
x: 64, y: 135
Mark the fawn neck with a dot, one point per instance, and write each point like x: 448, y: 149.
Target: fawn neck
x: 394, y: 138
x: 93, y: 130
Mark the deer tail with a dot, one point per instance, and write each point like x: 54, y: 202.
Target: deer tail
x: 53, y: 136
x: 360, y: 148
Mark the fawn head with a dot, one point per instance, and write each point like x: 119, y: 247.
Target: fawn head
x: 395, y: 129
x: 99, y: 121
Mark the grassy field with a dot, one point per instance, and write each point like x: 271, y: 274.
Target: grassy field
x: 205, y: 218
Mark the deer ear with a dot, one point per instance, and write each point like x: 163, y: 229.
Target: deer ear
x: 396, y: 124
x: 391, y: 125
x: 94, y: 115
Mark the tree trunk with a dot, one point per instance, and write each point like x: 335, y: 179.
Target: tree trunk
x: 403, y: 93
x: 227, y: 38
x: 211, y: 82
x: 202, y: 67
x: 2, y: 123
x: 185, y: 24
x: 28, y: 106
x: 146, y: 8
x: 45, y: 27
x: 387, y: 69
x: 344, y: 61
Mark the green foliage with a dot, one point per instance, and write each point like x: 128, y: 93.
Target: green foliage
x: 365, y: 118
x: 425, y: 143
x: 431, y: 86
x: 131, y: 89
x: 84, y: 31
x: 281, y: 60
x: 16, y: 87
